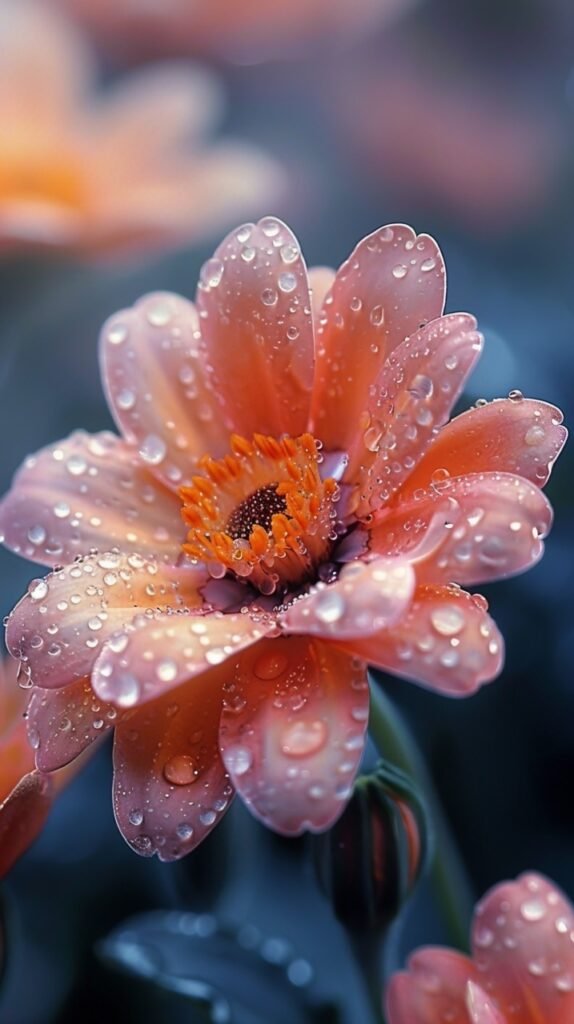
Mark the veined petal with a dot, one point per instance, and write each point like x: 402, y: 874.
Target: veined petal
x: 367, y: 597
x: 418, y: 386
x: 155, y: 387
x: 523, y: 948
x: 154, y: 656
x: 59, y: 627
x: 256, y: 327
x: 392, y: 283
x: 433, y: 990
x: 84, y: 493
x: 170, y: 784
x: 63, y: 723
x: 292, y: 732
x: 446, y: 641
x: 522, y: 436
x: 495, y: 528
x: 22, y: 817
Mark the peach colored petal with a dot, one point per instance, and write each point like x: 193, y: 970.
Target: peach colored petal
x: 155, y: 387
x: 392, y: 283
x: 170, y: 785
x: 480, y: 1007
x: 179, y: 100
x: 417, y: 388
x: 86, y: 492
x: 524, y: 951
x: 523, y: 437
x: 446, y: 642
x: 59, y: 627
x: 63, y: 723
x: 255, y: 310
x: 433, y: 990
x: 44, y: 67
x: 366, y: 598
x: 16, y: 755
x: 189, y: 195
x: 22, y: 817
x: 155, y: 656
x: 320, y: 283
x: 292, y: 732
x: 495, y: 528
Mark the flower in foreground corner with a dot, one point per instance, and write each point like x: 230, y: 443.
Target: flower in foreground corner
x: 116, y: 172
x: 25, y: 794
x: 285, y: 505
x: 521, y: 970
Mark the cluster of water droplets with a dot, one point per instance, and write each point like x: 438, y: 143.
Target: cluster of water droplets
x: 291, y: 746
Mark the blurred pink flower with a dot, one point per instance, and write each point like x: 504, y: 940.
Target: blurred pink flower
x: 126, y: 170
x: 450, y: 140
x: 521, y: 971
x: 324, y: 530
x: 250, y: 30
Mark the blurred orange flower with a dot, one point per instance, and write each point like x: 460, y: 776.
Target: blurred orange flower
x: 521, y: 970
x: 121, y: 171
x: 298, y: 425
x: 250, y: 30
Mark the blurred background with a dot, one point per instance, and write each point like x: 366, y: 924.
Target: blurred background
x: 457, y: 118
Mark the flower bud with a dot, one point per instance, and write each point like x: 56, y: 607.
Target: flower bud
x: 370, y: 860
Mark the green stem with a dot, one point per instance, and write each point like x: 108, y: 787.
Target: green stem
x: 367, y: 952
x: 450, y: 881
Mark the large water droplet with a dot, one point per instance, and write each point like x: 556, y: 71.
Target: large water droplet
x: 301, y: 738
x: 180, y: 770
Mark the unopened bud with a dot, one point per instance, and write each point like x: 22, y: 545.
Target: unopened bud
x: 369, y: 861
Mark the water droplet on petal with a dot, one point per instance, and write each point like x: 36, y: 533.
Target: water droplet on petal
x: 302, y: 738
x: 180, y: 770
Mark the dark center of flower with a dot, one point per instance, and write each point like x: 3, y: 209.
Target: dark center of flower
x: 256, y: 510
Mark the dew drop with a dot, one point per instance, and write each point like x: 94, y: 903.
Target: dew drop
x: 269, y: 296
x: 447, y: 620
x: 136, y: 817
x: 153, y: 450
x: 38, y: 589
x: 302, y: 738
x: 533, y: 910
x: 238, y: 760
x: 270, y: 665
x: 534, y: 436
x: 329, y: 607
x: 400, y: 271
x: 287, y: 282
x: 180, y: 770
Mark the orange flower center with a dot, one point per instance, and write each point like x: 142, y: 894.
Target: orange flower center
x: 40, y: 176
x: 263, y: 512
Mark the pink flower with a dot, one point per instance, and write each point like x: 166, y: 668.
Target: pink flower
x: 25, y: 794
x: 250, y: 30
x: 299, y: 426
x: 521, y: 970
x: 121, y: 172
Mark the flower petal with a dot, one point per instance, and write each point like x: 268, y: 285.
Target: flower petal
x: 433, y: 990
x: 366, y: 598
x: 480, y: 1007
x: 508, y: 435
x: 392, y: 283
x: 154, y: 656
x: 524, y: 951
x: 58, y: 628
x: 446, y: 642
x: 155, y: 386
x: 170, y: 785
x: 181, y: 101
x: 494, y: 529
x: 22, y: 817
x: 84, y: 493
x: 320, y: 283
x: 292, y: 732
x: 63, y: 723
x: 417, y: 388
x: 16, y: 755
x: 255, y: 309
x: 45, y: 67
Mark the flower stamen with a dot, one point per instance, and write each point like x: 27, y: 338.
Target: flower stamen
x: 262, y: 512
